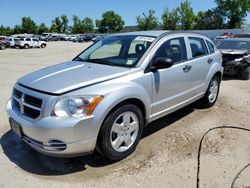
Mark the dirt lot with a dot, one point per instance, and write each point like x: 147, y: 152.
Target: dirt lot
x: 167, y: 156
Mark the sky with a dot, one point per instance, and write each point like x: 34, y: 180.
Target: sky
x: 11, y: 11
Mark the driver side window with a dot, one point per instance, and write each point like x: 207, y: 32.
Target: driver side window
x: 174, y: 49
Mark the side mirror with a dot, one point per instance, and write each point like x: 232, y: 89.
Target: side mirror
x: 161, y: 63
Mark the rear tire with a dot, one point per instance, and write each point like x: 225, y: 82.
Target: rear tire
x: 212, y: 93
x: 246, y: 74
x: 2, y: 46
x: 43, y: 45
x: 121, y: 132
x: 26, y: 46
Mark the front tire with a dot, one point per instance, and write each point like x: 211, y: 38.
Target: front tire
x: 121, y: 132
x: 212, y: 93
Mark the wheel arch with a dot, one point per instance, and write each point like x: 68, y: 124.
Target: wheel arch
x: 219, y: 74
x: 217, y: 70
x: 135, y: 101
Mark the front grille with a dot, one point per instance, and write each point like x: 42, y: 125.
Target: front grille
x: 25, y: 104
x: 31, y: 112
x: 17, y: 93
x: 33, y: 101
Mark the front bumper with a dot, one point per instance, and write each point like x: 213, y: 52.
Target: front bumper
x: 57, y: 137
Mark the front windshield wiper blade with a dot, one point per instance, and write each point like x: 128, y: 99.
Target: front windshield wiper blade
x: 78, y: 59
x: 100, y: 61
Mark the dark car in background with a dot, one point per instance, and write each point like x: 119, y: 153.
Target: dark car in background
x: 55, y: 38
x: 246, y: 35
x: 236, y: 56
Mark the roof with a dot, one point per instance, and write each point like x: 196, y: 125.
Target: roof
x: 155, y: 33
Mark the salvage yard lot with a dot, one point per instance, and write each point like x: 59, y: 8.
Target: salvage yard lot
x: 166, y: 156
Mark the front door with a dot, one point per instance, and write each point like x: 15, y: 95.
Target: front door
x: 171, y: 86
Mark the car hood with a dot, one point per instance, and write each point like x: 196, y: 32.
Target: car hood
x: 234, y: 52
x: 71, y: 75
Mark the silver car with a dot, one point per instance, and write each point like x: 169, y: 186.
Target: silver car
x: 104, y: 97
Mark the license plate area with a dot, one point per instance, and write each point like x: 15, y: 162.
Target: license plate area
x: 15, y: 127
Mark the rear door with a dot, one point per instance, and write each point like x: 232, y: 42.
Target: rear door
x: 201, y: 62
x: 171, y: 86
x: 29, y: 42
x: 35, y: 42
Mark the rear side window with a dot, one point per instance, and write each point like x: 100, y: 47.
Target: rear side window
x: 174, y: 49
x: 198, y: 46
x: 28, y: 39
x: 210, y: 47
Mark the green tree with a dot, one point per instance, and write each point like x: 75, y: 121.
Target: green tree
x: 210, y: 19
x: 170, y: 19
x: 88, y: 25
x: 77, y: 25
x: 28, y: 25
x: 7, y: 31
x: 17, y: 29
x: 234, y: 10
x: 42, y: 28
x: 64, y: 21
x: 110, y: 23
x: 187, y: 15
x: 56, y: 25
x: 147, y: 22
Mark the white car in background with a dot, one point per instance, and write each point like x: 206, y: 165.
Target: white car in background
x: 11, y: 41
x: 30, y: 43
x: 72, y: 37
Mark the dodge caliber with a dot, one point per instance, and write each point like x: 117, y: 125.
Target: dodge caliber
x: 105, y: 96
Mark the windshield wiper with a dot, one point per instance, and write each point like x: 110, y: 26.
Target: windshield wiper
x: 78, y: 59
x: 100, y: 61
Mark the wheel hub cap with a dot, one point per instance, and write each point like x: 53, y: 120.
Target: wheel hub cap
x: 124, y: 131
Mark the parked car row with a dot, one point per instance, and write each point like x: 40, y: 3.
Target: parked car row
x: 74, y: 38
x: 22, y: 42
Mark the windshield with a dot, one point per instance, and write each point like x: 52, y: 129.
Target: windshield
x: 235, y: 45
x: 124, y: 50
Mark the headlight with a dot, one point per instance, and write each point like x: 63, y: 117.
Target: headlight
x: 76, y: 106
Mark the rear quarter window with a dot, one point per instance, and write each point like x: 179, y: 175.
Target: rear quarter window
x: 210, y: 47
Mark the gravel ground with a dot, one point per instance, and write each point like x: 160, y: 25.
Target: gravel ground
x: 167, y: 156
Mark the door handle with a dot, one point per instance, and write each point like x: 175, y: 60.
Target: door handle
x: 187, y: 68
x: 210, y: 60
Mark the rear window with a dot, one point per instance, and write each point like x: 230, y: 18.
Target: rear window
x: 198, y: 46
